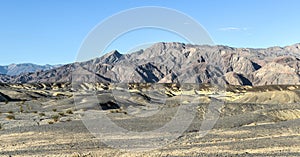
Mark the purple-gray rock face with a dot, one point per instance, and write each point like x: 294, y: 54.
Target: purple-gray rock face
x: 184, y: 63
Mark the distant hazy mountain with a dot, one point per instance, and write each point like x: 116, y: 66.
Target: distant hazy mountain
x: 16, y: 69
x: 183, y: 63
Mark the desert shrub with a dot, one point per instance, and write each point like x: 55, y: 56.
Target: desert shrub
x: 50, y: 122
x: 69, y: 112
x: 61, y: 114
x: 10, y: 117
x: 6, y: 101
x: 10, y: 112
x: 55, y: 118
x: 34, y: 111
x: 21, y: 108
x: 42, y: 114
x: 54, y: 110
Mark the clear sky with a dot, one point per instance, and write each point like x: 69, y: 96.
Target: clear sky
x: 51, y: 31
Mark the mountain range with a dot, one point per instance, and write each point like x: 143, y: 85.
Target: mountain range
x: 17, y: 69
x: 178, y: 62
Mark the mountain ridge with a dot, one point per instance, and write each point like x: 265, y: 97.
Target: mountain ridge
x: 17, y: 69
x: 184, y: 63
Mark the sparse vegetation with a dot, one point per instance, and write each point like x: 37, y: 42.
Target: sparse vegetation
x: 10, y: 112
x: 55, y: 117
x: 54, y: 110
x: 21, y: 109
x: 6, y: 101
x: 42, y: 114
x: 34, y: 111
x: 50, y: 122
x: 10, y: 117
x: 61, y: 114
x: 69, y: 111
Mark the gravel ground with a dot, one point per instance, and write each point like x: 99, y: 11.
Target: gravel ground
x: 54, y: 126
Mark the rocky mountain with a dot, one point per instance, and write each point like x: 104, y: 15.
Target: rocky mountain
x: 17, y: 69
x: 184, y: 63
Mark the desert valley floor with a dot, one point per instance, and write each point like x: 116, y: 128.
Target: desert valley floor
x: 42, y: 119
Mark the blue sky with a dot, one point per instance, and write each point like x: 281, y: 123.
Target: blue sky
x: 51, y: 31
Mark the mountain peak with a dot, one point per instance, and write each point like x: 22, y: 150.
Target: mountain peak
x: 115, y: 53
x: 111, y: 57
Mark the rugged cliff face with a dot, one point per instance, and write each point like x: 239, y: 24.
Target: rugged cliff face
x: 184, y: 63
